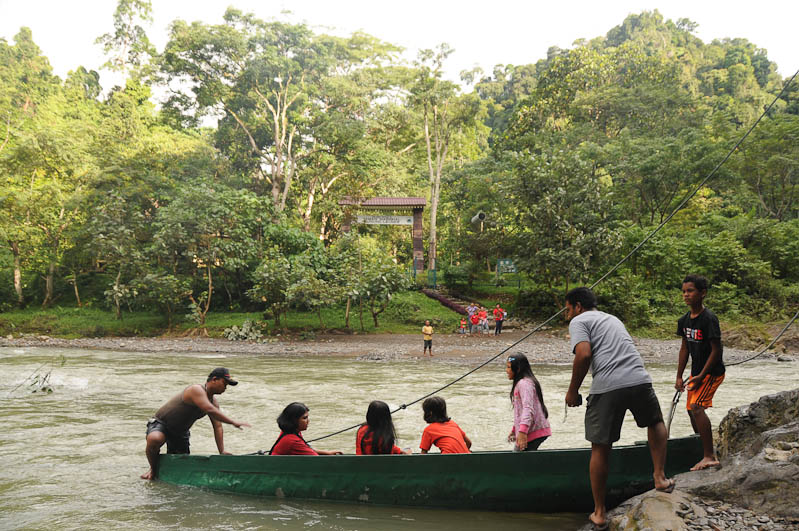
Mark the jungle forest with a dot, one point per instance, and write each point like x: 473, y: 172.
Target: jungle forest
x: 211, y: 182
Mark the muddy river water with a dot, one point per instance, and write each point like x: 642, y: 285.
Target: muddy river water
x: 71, y: 459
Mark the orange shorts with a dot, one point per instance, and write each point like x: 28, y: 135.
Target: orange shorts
x: 702, y: 394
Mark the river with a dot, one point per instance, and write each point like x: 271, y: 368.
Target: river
x: 72, y: 458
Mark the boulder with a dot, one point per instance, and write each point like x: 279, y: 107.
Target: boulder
x: 741, y: 428
x: 757, y: 485
x: 655, y: 510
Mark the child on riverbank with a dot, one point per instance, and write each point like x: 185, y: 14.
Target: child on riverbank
x: 441, y: 430
x: 701, y: 339
x: 427, y: 333
x: 462, y: 326
x: 530, y: 416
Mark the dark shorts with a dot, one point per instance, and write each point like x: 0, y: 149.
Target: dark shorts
x: 605, y: 412
x: 532, y: 445
x: 175, y: 444
x: 428, y: 343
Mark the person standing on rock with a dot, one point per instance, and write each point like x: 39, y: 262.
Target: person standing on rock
x: 620, y: 382
x: 172, y: 422
x: 701, y: 339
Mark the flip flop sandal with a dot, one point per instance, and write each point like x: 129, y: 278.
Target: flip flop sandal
x: 669, y: 488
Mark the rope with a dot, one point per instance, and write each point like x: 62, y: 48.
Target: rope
x: 603, y: 277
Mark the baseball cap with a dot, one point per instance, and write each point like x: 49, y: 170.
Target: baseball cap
x: 221, y: 372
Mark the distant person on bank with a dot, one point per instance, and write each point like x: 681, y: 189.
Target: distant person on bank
x: 427, y: 335
x: 172, y: 422
x: 499, y: 318
x: 483, y: 319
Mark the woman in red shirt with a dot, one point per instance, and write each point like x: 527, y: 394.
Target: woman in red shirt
x: 292, y: 422
x: 377, y: 435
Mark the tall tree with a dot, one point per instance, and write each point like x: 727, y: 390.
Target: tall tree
x: 444, y: 112
x: 128, y: 48
x: 264, y: 79
x: 26, y: 81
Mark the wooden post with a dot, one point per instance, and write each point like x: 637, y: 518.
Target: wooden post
x: 418, y: 245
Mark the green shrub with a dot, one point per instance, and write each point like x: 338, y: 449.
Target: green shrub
x: 456, y: 277
x: 536, y: 303
x: 725, y: 299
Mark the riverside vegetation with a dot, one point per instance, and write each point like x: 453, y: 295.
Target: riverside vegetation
x: 120, y: 216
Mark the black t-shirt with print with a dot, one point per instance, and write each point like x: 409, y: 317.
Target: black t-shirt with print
x: 697, y: 333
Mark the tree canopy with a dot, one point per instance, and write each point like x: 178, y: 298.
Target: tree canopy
x: 225, y: 194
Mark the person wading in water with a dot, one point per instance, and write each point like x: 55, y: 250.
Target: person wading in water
x: 172, y: 422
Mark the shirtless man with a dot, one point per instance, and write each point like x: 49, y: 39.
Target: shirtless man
x: 172, y: 422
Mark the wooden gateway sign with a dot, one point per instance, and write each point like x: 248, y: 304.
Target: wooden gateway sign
x: 385, y: 220
x: 389, y: 211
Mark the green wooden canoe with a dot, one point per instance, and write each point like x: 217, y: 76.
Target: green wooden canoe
x: 542, y: 481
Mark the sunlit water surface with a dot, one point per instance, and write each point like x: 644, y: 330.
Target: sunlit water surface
x: 72, y: 459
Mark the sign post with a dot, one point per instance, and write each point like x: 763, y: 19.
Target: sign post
x: 506, y: 265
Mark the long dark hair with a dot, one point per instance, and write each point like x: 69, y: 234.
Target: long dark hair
x: 520, y: 366
x: 289, y: 419
x: 380, y: 425
x: 435, y: 410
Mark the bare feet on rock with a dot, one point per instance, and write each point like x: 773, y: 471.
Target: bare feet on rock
x: 598, y: 523
x: 148, y: 475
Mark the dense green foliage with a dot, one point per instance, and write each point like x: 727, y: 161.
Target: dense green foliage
x: 109, y: 201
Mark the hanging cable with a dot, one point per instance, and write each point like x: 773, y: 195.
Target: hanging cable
x: 603, y: 277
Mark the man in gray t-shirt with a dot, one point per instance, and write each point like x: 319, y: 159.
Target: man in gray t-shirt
x: 615, y: 362
x: 620, y: 382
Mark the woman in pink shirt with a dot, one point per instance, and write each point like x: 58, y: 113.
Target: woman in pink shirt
x: 530, y: 415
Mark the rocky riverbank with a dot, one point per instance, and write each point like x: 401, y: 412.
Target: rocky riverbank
x: 447, y: 348
x: 757, y: 486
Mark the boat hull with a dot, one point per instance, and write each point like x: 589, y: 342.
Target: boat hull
x: 542, y: 481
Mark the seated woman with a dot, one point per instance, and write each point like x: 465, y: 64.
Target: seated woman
x: 377, y: 435
x: 292, y: 421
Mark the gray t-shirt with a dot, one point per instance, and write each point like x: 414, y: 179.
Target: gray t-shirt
x: 615, y: 362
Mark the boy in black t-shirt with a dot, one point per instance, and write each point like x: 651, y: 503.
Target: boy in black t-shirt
x: 701, y: 338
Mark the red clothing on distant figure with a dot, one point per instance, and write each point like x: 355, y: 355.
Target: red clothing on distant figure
x: 292, y: 444
x: 448, y: 436
x: 499, y: 314
x: 364, y: 446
